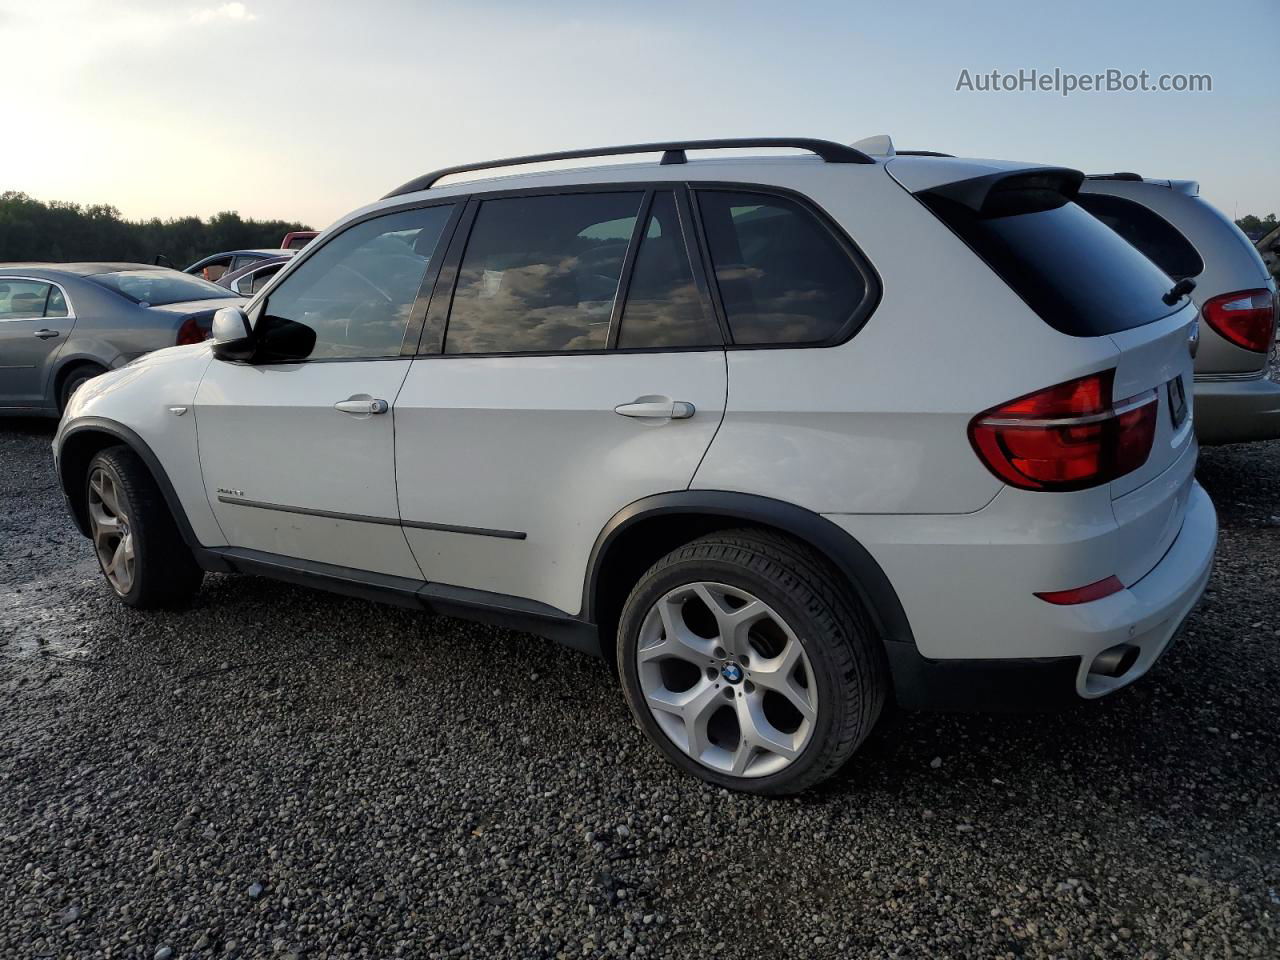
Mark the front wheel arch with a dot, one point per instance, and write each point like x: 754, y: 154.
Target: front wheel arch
x: 78, y: 445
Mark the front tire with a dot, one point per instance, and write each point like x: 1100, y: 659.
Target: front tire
x: 747, y: 660
x: 137, y: 543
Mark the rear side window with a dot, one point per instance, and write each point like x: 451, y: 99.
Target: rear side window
x: 57, y: 306
x: 540, y: 274
x: 783, y: 277
x: 664, y: 307
x: 1081, y: 277
x: 1158, y: 239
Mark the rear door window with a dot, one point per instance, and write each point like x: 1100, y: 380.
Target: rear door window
x: 23, y: 299
x: 1081, y: 277
x: 783, y: 277
x: 1159, y: 240
x: 664, y: 307
x: 540, y: 274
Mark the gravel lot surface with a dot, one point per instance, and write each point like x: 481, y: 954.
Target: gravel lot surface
x: 280, y: 772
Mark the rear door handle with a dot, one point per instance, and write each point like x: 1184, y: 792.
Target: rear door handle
x: 46, y: 334
x: 656, y: 408
x: 362, y: 405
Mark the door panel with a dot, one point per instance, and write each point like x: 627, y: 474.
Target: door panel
x: 29, y: 339
x: 287, y: 473
x: 532, y: 446
x: 299, y: 457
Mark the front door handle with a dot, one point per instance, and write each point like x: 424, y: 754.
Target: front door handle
x: 46, y: 334
x: 362, y: 405
x: 656, y: 408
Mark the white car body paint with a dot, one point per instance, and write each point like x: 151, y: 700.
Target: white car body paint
x: 532, y: 445
x: 270, y: 434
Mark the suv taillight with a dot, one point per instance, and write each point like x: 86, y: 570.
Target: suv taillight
x: 1067, y: 437
x: 191, y: 331
x: 1247, y: 318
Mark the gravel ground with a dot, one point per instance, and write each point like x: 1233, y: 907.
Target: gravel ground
x: 280, y: 772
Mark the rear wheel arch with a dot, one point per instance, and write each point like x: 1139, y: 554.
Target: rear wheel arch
x: 66, y: 372
x: 644, y: 531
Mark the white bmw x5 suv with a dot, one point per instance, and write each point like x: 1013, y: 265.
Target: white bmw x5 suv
x: 779, y: 436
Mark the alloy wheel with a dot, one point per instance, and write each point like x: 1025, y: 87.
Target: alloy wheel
x: 112, y: 536
x: 726, y: 679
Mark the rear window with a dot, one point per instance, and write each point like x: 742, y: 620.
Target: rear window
x: 1081, y: 277
x: 1158, y: 239
x: 159, y: 287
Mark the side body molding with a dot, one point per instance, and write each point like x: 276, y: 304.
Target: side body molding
x: 852, y: 559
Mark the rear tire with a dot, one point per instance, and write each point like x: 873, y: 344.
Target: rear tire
x: 775, y: 674
x: 138, y: 546
x: 74, y: 380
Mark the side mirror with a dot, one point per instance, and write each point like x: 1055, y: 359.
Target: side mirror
x: 232, y: 336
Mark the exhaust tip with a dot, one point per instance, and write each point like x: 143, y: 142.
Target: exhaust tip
x: 1115, y: 661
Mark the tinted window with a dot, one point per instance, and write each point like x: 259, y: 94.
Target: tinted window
x: 22, y: 299
x: 664, y: 307
x: 783, y: 277
x: 1081, y: 277
x: 541, y: 273
x: 357, y: 291
x: 1155, y: 236
x: 159, y: 287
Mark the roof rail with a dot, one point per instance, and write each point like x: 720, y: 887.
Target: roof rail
x: 1114, y: 176
x: 923, y: 153
x: 672, y: 152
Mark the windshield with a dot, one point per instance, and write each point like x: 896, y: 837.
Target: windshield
x: 159, y: 287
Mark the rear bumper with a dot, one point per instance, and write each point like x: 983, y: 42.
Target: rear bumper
x: 1237, y: 411
x: 985, y: 642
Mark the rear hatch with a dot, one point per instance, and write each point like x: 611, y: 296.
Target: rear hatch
x: 1084, y: 280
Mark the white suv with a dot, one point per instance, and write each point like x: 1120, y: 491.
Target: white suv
x: 780, y: 436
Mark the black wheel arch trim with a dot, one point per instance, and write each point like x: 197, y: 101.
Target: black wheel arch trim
x: 842, y: 549
x: 139, y: 446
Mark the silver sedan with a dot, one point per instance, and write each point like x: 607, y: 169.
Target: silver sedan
x: 63, y: 323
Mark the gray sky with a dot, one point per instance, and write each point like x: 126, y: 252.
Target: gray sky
x: 304, y: 109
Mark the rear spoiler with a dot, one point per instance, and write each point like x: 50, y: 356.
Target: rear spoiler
x: 1006, y: 193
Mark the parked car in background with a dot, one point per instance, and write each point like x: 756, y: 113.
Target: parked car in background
x: 214, y: 267
x: 1187, y: 237
x: 298, y: 239
x: 249, y: 279
x: 1268, y: 246
x: 64, y: 323
x: 780, y: 436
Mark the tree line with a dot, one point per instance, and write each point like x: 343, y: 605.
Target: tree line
x: 33, y: 229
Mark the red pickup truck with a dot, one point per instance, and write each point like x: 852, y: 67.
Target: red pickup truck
x: 297, y: 239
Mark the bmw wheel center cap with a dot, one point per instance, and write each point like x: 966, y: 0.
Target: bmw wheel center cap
x: 731, y: 672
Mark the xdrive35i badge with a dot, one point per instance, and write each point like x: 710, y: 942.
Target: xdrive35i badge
x: 231, y: 492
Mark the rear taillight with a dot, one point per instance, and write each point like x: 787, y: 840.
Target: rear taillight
x: 1247, y: 318
x: 1066, y: 437
x: 191, y: 331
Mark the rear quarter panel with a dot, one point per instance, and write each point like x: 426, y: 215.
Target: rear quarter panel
x: 879, y: 424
